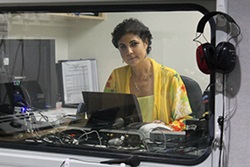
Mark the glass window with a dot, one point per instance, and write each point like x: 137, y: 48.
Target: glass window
x: 48, y: 58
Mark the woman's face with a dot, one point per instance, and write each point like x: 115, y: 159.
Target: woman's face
x: 132, y: 49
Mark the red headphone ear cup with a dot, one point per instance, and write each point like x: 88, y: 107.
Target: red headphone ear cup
x: 204, y: 58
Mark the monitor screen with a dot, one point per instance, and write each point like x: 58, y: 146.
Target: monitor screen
x: 107, y: 108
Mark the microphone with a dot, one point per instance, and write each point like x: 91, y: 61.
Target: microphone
x: 133, y: 161
x: 118, y: 123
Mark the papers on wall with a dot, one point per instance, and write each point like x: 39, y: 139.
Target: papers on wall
x: 77, y: 76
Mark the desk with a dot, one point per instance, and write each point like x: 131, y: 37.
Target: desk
x: 35, y: 124
x: 67, y: 133
x: 55, y: 114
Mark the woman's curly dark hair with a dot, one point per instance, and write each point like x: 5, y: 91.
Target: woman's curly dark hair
x: 135, y: 27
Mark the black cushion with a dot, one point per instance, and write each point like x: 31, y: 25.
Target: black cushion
x: 194, y: 93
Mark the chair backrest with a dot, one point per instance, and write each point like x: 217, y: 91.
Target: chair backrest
x: 194, y: 93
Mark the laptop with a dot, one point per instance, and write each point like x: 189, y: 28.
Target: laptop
x: 110, y: 110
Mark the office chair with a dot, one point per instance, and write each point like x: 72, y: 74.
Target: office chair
x: 194, y: 93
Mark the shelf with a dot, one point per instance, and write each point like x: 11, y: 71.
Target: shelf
x: 94, y: 16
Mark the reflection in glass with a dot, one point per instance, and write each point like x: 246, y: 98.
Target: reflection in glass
x: 57, y: 38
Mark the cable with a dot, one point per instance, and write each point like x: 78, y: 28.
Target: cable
x: 142, y: 137
x: 87, y: 133
x: 221, y: 123
x: 164, y: 140
x: 239, y: 31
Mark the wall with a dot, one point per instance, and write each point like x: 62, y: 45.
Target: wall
x: 41, y: 26
x: 239, y: 150
x: 172, y: 42
x: 82, y: 38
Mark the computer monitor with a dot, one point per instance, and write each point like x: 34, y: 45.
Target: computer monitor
x: 108, y: 109
x: 20, y: 96
x: 28, y: 69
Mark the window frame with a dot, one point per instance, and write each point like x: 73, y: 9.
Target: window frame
x: 102, y: 8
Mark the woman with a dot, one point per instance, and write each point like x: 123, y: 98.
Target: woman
x: 160, y: 91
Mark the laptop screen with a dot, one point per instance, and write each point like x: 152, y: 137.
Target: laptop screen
x: 108, y: 109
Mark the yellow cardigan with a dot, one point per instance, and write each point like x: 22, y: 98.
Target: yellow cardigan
x: 170, y: 98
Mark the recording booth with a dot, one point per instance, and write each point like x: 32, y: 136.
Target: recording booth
x: 110, y: 129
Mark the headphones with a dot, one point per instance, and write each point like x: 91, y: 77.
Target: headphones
x: 221, y: 58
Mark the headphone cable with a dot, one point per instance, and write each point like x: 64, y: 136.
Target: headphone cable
x: 221, y: 123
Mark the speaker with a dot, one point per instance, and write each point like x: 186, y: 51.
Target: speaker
x: 220, y: 58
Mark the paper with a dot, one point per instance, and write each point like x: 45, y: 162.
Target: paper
x: 78, y: 76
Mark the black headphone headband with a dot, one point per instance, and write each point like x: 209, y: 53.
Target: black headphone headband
x: 207, y: 16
